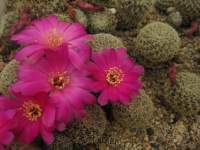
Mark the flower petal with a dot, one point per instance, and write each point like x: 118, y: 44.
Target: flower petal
x: 47, y: 136
x: 48, y: 118
x: 29, y: 133
x: 6, y: 137
x: 29, y: 51
x: 103, y: 98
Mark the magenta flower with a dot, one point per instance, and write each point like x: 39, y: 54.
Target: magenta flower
x: 54, y: 74
x: 32, y: 116
x: 49, y: 34
x: 6, y: 136
x: 115, y: 75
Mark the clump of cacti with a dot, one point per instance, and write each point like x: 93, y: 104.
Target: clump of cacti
x: 8, y: 76
x: 131, y: 12
x: 158, y: 42
x: 185, y: 97
x: 86, y: 131
x: 102, y: 40
x: 137, y: 115
x: 105, y: 21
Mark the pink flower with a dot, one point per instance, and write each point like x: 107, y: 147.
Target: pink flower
x: 115, y: 75
x: 54, y: 74
x: 32, y: 116
x: 48, y: 34
x: 6, y: 136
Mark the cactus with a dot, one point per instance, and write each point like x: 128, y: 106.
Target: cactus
x: 158, y: 42
x: 84, y: 132
x: 188, y: 8
x: 105, y: 21
x: 8, y: 76
x: 103, y: 40
x: 118, y: 138
x: 131, y: 12
x: 137, y: 115
x: 163, y: 5
x: 175, y: 19
x: 80, y: 17
x: 6, y: 22
x: 195, y: 133
x: 38, y: 8
x: 185, y: 97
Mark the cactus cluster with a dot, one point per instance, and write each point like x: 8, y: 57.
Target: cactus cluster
x: 103, y: 40
x: 8, y: 76
x: 131, y: 12
x: 158, y: 42
x: 185, y: 97
x: 137, y: 115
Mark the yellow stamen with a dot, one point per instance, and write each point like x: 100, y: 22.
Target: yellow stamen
x: 54, y: 39
x: 32, y: 111
x: 59, y: 80
x: 114, y: 76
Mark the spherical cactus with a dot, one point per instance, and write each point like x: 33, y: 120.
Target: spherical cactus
x: 163, y: 5
x: 118, y: 138
x: 131, y: 12
x: 63, y: 17
x: 158, y: 42
x: 103, y: 40
x: 86, y: 131
x: 175, y: 19
x: 185, y: 97
x: 2, y: 7
x: 38, y: 8
x: 188, y: 8
x: 98, y: 1
x: 8, y: 76
x: 105, y: 21
x: 6, y: 22
x: 81, y: 17
x: 137, y: 115
x: 195, y: 132
x: 61, y: 142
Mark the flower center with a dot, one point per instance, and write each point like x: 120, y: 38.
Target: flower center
x: 31, y: 111
x: 114, y: 76
x: 54, y: 39
x: 59, y: 80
